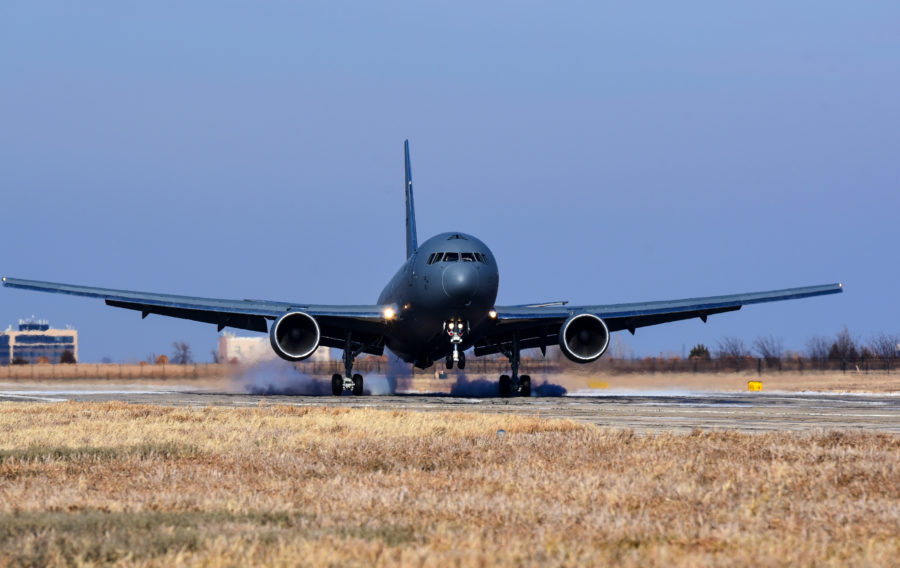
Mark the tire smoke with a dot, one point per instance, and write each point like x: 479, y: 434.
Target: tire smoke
x: 485, y: 388
x: 279, y: 378
x: 282, y: 378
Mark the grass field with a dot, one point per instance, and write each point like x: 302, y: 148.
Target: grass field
x: 723, y: 382
x: 85, y: 483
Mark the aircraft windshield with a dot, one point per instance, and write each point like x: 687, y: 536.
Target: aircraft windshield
x: 456, y: 257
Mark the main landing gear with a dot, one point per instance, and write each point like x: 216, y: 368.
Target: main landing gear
x: 515, y: 384
x: 351, y: 382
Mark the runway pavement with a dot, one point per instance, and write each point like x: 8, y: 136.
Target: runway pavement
x: 641, y: 410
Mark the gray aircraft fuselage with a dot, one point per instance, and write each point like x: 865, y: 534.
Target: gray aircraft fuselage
x: 450, y: 277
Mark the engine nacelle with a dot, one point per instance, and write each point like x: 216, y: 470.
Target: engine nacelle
x: 295, y: 336
x: 583, y: 338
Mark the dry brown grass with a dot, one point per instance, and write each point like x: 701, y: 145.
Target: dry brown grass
x: 86, y: 483
x: 111, y: 371
x: 719, y: 382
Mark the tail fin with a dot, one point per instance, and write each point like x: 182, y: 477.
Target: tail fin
x: 411, y: 242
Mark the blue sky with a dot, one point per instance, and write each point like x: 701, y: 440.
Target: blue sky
x: 606, y: 152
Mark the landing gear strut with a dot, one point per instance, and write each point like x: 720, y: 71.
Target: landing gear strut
x: 455, y: 330
x: 514, y: 384
x: 351, y: 382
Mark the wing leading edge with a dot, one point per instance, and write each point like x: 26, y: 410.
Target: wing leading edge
x: 538, y: 326
x: 365, y: 321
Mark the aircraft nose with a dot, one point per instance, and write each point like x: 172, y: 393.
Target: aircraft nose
x: 460, y: 281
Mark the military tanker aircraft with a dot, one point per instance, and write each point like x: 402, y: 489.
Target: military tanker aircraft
x: 439, y: 304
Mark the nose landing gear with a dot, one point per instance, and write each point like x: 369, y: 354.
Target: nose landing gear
x: 456, y: 329
x: 460, y: 360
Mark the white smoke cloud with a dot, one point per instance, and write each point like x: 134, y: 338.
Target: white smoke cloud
x: 281, y: 378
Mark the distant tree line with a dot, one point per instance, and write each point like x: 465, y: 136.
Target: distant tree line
x: 882, y: 349
x: 842, y: 351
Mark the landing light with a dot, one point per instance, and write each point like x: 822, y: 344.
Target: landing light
x: 389, y: 313
x: 451, y: 325
x: 492, y: 314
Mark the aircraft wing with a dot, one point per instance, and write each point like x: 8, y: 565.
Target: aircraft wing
x: 367, y: 322
x: 538, y: 326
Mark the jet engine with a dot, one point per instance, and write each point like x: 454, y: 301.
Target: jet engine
x: 583, y: 338
x: 295, y: 336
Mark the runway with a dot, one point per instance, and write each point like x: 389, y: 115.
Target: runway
x: 641, y: 410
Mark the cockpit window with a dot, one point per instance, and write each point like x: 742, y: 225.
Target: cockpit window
x: 457, y: 256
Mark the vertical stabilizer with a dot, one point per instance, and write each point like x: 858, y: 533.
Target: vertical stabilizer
x: 411, y: 242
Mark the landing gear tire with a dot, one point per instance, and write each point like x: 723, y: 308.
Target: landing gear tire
x: 337, y: 384
x: 461, y: 364
x: 449, y: 361
x: 504, y: 385
x: 525, y: 385
x: 357, y: 384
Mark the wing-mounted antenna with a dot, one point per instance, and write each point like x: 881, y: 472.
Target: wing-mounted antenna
x: 411, y: 241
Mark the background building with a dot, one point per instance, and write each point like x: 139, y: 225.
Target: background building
x: 34, y: 339
x: 246, y: 350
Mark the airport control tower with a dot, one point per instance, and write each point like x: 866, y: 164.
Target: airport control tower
x: 36, y: 342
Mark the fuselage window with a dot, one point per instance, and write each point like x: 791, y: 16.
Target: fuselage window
x: 468, y: 256
x: 451, y: 256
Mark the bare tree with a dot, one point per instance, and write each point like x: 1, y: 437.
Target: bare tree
x: 618, y: 349
x: 817, y: 348
x: 770, y: 348
x: 731, y: 348
x: 181, y: 353
x: 844, y: 347
x: 886, y: 347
